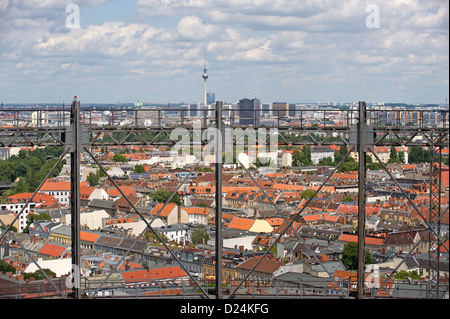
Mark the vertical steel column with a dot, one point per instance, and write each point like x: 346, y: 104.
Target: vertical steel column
x: 362, y: 134
x: 218, y: 200
x: 435, y: 212
x: 75, y: 197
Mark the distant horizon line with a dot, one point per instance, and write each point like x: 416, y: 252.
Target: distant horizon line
x: 187, y: 103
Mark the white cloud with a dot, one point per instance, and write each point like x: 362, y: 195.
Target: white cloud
x: 320, y: 45
x: 193, y: 28
x: 4, y: 5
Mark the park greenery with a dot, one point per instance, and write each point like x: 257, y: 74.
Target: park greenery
x: 93, y: 179
x: 199, y: 236
x: 36, y: 275
x: 28, y: 169
x: 162, y: 195
x: 350, y: 256
x: 307, y: 194
x: 302, y: 157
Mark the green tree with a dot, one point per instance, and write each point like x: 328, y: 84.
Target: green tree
x: 162, y: 195
x: 30, y: 167
x: 328, y: 161
x: 12, y: 228
x: 349, y: 165
x: 5, y: 267
x: 350, y: 256
x: 405, y: 275
x: 307, y: 194
x: 119, y: 158
x: 139, y: 169
x: 339, y: 155
x: 306, y: 156
x: 93, y: 179
x: 296, y: 158
x: 198, y: 235
x: 348, y: 198
x: 401, y: 157
x: 371, y: 165
x: 393, y: 155
x: 150, y: 236
x: 302, y: 157
x: 418, y: 155
x: 263, y: 162
x: 38, y: 275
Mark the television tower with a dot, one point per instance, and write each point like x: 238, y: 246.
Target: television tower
x: 204, y: 76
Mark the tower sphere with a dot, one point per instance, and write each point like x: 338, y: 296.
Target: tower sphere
x: 204, y: 75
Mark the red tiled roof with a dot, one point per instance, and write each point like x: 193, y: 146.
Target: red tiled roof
x: 368, y: 240
x: 136, y: 276
x: 314, y: 217
x: 241, y: 223
x: 87, y: 236
x: 165, y: 212
x: 275, y: 221
x: 167, y: 273
x: 86, y: 191
x: 143, y: 275
x: 197, y: 210
x: 51, y: 186
x: 127, y: 190
x: 265, y: 266
x: 52, y: 250
x: 40, y: 198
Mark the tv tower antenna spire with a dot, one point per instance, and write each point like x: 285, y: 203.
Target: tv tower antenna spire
x: 204, y: 76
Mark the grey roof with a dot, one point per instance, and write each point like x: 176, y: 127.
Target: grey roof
x: 102, y: 203
x: 108, y: 241
x: 173, y: 227
x: 233, y: 233
x: 133, y: 244
x: 62, y: 230
x: 304, y: 279
x: 330, y: 266
x: 319, y: 232
x: 405, y: 289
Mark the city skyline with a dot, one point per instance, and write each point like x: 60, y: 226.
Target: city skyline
x: 153, y: 51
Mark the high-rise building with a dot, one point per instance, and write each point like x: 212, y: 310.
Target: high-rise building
x: 210, y: 98
x: 249, y: 112
x: 280, y: 109
x: 194, y: 109
x: 292, y: 110
x: 266, y: 109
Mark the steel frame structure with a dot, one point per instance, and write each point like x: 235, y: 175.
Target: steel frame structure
x: 359, y: 129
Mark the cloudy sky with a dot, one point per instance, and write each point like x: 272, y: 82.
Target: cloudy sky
x: 275, y: 50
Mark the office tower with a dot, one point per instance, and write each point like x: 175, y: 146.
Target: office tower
x: 194, y: 109
x: 265, y: 109
x: 280, y: 109
x: 292, y: 110
x: 249, y: 112
x: 210, y: 98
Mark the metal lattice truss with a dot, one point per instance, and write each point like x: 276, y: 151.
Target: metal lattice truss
x: 98, y: 128
x: 23, y: 127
